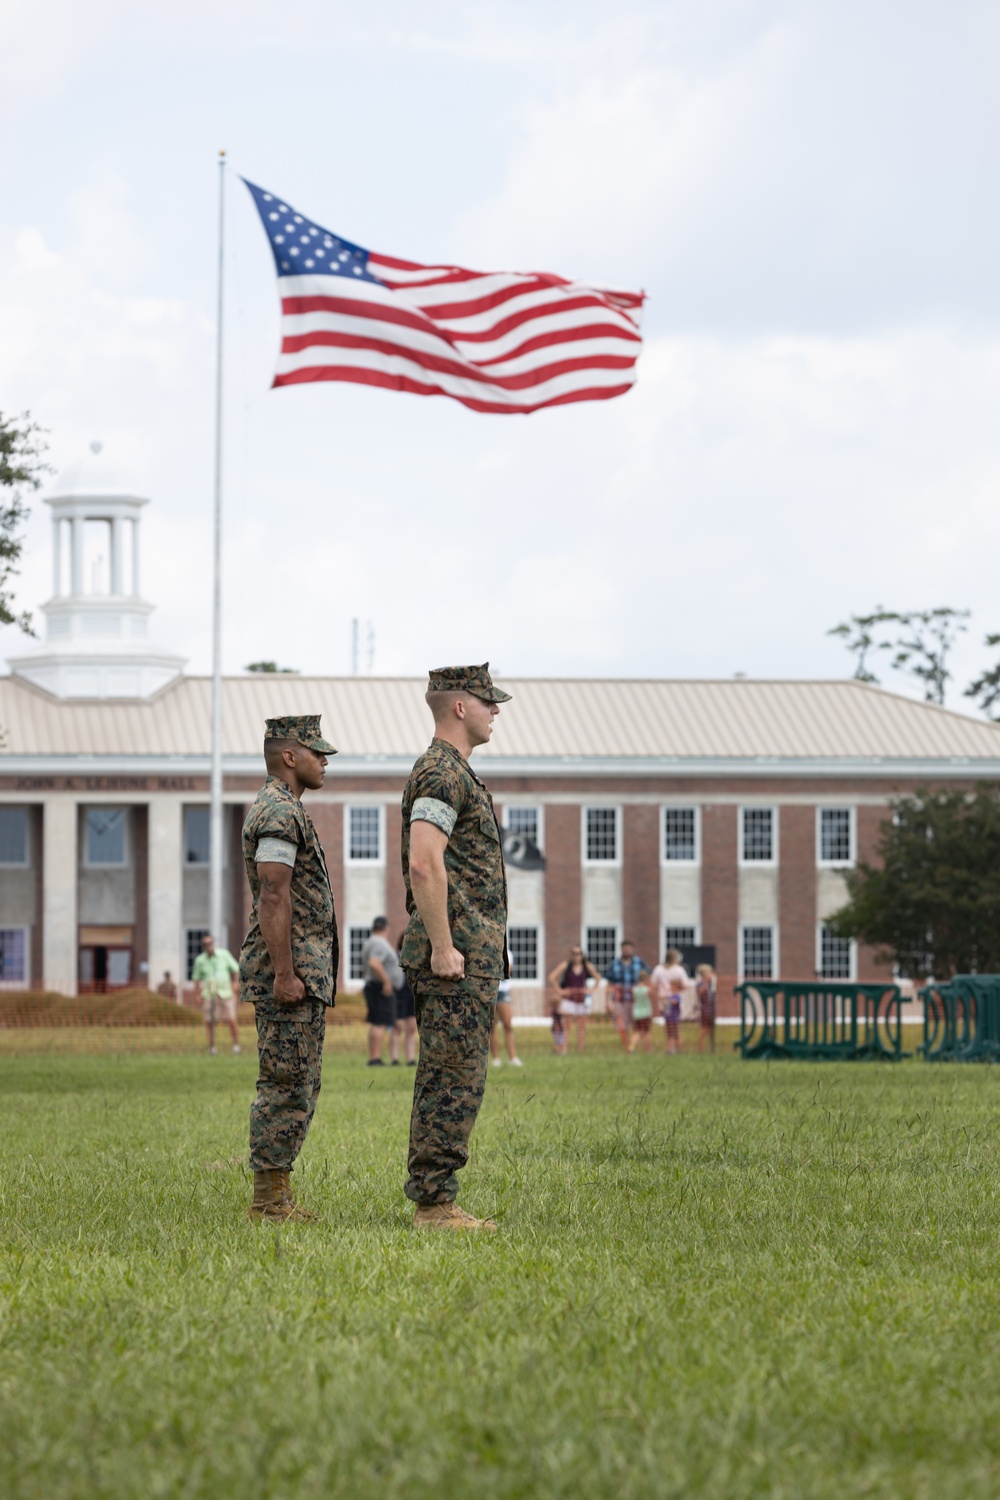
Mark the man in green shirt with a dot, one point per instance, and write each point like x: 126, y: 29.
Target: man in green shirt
x: 214, y: 972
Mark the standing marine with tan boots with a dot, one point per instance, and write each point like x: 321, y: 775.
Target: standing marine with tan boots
x: 288, y: 965
x: 455, y: 947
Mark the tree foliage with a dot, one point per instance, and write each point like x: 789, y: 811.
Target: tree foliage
x: 932, y: 904
x: 919, y: 640
x: 21, y: 468
x: 271, y: 666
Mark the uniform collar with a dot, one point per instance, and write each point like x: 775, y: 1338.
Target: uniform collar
x: 447, y: 745
x: 276, y: 783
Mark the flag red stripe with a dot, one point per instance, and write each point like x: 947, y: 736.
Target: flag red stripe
x: 349, y: 375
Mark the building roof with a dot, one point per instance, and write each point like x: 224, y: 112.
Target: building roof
x: 553, y: 724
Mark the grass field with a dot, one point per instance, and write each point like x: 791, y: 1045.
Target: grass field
x: 712, y: 1278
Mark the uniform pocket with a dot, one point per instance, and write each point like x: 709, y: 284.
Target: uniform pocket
x: 488, y: 825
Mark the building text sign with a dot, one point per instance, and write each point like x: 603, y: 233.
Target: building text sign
x: 105, y: 784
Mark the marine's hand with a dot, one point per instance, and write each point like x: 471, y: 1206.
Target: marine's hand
x: 448, y: 963
x: 288, y: 989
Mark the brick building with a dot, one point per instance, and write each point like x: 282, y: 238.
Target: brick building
x: 669, y: 812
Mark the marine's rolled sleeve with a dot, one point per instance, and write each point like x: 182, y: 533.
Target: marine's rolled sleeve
x: 433, y: 810
x: 272, y: 851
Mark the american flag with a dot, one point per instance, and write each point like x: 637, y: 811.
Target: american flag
x: 498, y: 341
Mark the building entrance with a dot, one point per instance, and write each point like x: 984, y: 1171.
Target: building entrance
x: 106, y: 959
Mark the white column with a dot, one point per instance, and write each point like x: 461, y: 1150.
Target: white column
x: 59, y: 920
x: 56, y: 559
x: 135, y: 557
x: 165, y: 877
x: 76, y: 553
x: 116, y: 554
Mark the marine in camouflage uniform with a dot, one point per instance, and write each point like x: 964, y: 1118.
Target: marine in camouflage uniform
x: 454, y: 1013
x: 287, y: 872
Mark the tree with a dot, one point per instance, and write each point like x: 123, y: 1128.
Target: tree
x: 932, y: 905
x: 21, y: 468
x: 921, y: 640
x: 270, y: 666
x: 986, y: 687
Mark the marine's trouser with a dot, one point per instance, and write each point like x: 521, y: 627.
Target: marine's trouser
x: 454, y: 1019
x: 290, y: 1053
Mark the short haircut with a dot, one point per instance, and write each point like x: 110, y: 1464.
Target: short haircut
x: 378, y: 924
x: 274, y: 749
x: 627, y: 943
x: 440, y: 700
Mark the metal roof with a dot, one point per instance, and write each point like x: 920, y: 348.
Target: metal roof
x: 726, y: 723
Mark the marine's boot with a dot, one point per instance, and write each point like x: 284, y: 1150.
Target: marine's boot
x: 272, y: 1197
x: 447, y: 1216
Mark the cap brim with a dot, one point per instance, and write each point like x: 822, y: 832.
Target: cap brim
x: 322, y: 747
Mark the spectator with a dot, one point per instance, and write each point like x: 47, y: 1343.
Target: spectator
x: 166, y: 987
x: 382, y: 976
x: 505, y: 1020
x: 623, y: 974
x: 570, y: 979
x: 668, y: 994
x: 642, y: 1014
x: 214, y: 971
x: 405, y: 1029
x: 553, y: 1009
x: 706, y: 987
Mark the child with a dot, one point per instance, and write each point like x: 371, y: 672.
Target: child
x: 672, y: 1013
x: 642, y: 1014
x: 706, y: 1005
x: 559, y: 1038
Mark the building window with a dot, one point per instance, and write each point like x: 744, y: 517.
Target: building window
x: 13, y: 836
x: 523, y: 945
x: 836, y: 955
x: 836, y: 842
x: 364, y: 835
x: 105, y: 836
x: 601, y: 946
x: 680, y: 835
x: 192, y: 947
x: 678, y: 937
x: 758, y: 952
x: 525, y: 821
x: 357, y: 938
x: 197, y: 835
x: 757, y: 843
x: 13, y: 955
x: 601, y: 842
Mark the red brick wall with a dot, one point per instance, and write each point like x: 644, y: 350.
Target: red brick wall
x: 641, y: 878
x: 797, y: 892
x: 563, y: 909
x: 870, y: 820
x: 328, y: 820
x: 719, y: 890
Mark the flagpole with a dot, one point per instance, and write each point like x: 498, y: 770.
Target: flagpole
x: 215, y: 784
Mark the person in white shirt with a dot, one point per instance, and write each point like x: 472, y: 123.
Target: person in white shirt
x: 667, y: 981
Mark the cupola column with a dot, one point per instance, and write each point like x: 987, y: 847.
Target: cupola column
x: 76, y: 532
x: 117, y: 539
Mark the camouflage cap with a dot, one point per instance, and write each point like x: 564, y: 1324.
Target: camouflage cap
x: 475, y: 680
x: 301, y: 727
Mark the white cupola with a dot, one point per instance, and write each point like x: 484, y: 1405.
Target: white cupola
x: 96, y: 623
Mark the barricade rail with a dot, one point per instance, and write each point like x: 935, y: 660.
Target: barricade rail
x: 962, y: 1019
x: 820, y: 1019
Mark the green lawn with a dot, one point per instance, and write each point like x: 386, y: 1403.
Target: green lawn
x: 712, y: 1278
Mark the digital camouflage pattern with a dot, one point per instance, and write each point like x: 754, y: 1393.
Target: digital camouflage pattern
x: 277, y: 813
x: 455, y: 1018
x: 474, y: 680
x: 473, y: 857
x: 304, y: 728
x: 290, y: 1052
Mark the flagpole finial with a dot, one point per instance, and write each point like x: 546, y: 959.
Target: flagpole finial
x: 222, y: 152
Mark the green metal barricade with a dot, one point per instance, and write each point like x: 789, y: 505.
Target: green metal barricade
x: 962, y: 1019
x: 819, y: 1019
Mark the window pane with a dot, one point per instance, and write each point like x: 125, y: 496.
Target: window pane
x: 602, y: 842
x: 13, y: 835
x: 678, y: 937
x: 193, y: 947
x: 12, y: 954
x: 678, y: 833
x: 758, y: 833
x: 601, y: 945
x: 197, y: 839
x: 363, y: 832
x: 523, y: 944
x: 119, y: 966
x: 523, y: 820
x: 358, y: 937
x: 758, y: 952
x: 835, y: 835
x: 105, y: 835
x: 835, y: 956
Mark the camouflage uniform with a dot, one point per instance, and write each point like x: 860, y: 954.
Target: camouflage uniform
x: 454, y: 1016
x: 289, y: 1037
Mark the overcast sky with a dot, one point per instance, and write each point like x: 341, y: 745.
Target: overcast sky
x: 806, y: 191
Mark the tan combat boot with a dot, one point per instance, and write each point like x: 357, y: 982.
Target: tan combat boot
x: 272, y: 1197
x: 447, y: 1216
